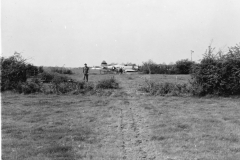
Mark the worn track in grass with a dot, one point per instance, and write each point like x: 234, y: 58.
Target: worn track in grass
x: 126, y: 135
x: 125, y: 125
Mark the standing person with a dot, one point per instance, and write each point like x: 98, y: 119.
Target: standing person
x: 121, y: 70
x: 85, y: 72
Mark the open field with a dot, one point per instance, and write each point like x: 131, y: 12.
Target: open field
x: 95, y: 75
x: 125, y: 125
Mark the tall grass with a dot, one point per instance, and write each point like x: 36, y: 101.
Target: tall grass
x: 165, y: 88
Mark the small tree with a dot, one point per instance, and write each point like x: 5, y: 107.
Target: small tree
x: 13, y: 71
x: 147, y: 66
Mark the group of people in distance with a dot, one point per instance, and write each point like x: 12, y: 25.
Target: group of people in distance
x: 118, y: 70
x: 86, y: 71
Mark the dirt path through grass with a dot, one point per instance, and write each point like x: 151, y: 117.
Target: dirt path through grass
x: 133, y: 125
x: 125, y: 132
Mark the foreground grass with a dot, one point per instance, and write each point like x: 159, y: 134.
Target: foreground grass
x: 37, y: 126
x: 124, y: 125
x: 192, y: 128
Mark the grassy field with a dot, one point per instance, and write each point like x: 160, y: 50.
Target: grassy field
x: 124, y: 125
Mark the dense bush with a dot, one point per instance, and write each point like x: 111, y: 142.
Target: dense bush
x: 61, y: 70
x: 31, y: 86
x: 162, y: 89
x: 32, y: 70
x: 46, y: 76
x: 59, y: 79
x: 110, y: 83
x: 217, y: 73
x: 40, y: 69
x: 14, y: 70
x: 184, y: 66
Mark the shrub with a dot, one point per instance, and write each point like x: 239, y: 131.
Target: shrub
x: 217, y: 74
x: 52, y: 77
x: 28, y: 87
x: 59, y: 79
x: 32, y: 70
x: 15, y: 70
x: 46, y: 76
x: 107, y: 84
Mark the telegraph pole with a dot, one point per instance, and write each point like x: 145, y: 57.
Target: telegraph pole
x: 191, y: 54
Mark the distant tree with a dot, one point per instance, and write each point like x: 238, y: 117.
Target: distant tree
x: 184, y: 66
x: 148, y: 66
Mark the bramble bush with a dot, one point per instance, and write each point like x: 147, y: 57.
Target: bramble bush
x: 28, y: 87
x: 109, y: 83
x: 217, y: 74
x: 46, y: 76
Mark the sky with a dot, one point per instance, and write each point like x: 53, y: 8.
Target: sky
x: 71, y: 33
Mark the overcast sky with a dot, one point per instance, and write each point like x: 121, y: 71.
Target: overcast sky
x: 74, y: 32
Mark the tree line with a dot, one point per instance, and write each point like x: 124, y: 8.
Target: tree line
x: 180, y: 67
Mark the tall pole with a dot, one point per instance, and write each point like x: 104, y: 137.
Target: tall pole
x: 191, y: 54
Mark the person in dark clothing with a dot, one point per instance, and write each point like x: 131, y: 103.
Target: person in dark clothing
x: 121, y: 70
x: 85, y: 72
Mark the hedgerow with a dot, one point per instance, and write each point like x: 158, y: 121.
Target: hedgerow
x: 151, y: 67
x: 217, y: 74
x: 180, y: 67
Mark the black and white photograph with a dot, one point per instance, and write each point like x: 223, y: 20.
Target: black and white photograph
x: 120, y: 80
